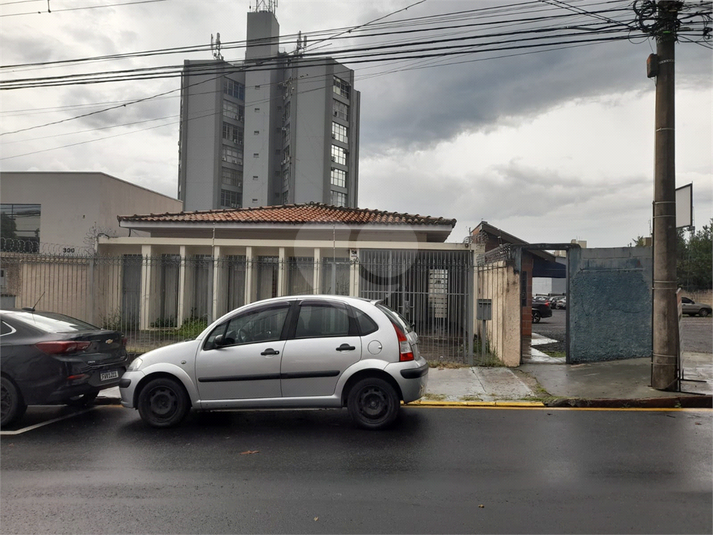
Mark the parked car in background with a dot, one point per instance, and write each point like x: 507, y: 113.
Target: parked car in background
x: 562, y: 303
x: 540, y: 310
x: 287, y: 352
x: 49, y: 358
x: 690, y: 307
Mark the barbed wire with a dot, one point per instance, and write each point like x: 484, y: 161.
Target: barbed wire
x: 17, y: 245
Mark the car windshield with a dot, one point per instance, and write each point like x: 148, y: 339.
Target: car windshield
x: 51, y: 322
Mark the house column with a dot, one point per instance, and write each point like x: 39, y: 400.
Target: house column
x: 317, y: 272
x: 249, y: 275
x: 146, y: 284
x: 184, y: 306
x: 354, y: 272
x: 219, y: 296
x: 281, y: 273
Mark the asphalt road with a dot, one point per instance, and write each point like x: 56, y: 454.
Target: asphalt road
x: 695, y: 333
x: 437, y: 471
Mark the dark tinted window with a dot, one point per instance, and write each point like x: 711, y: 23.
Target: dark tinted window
x: 5, y: 328
x: 322, y: 320
x: 395, y: 317
x: 366, y: 324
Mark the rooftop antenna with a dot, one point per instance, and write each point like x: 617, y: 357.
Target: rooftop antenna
x: 215, y: 46
x: 266, y: 5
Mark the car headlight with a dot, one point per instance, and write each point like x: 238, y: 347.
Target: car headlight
x: 135, y: 364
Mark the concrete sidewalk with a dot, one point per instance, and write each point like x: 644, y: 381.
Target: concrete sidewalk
x: 553, y: 383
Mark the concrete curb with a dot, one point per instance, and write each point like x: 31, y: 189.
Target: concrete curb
x: 683, y: 402
x: 521, y: 404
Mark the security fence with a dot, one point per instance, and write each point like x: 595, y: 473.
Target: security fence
x: 161, y: 299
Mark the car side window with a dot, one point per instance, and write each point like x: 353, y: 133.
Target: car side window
x: 366, y: 324
x: 322, y: 320
x: 263, y: 325
x: 5, y: 329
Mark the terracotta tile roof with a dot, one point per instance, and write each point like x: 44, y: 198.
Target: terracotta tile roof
x: 298, y: 214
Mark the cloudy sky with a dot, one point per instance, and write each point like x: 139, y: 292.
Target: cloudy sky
x: 549, y: 146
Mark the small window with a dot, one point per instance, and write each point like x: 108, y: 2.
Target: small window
x: 6, y: 329
x: 365, y: 323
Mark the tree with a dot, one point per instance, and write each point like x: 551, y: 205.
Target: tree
x: 694, y: 258
x: 695, y: 262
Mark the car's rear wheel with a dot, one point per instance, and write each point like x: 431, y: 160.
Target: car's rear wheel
x: 373, y: 403
x: 536, y: 317
x: 12, y: 406
x: 82, y: 400
x: 163, y: 402
x: 703, y: 313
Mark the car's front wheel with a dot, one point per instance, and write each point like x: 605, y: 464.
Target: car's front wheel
x: 12, y: 406
x: 703, y: 313
x: 163, y: 402
x: 373, y: 403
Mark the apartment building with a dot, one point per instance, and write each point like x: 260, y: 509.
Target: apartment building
x: 276, y: 128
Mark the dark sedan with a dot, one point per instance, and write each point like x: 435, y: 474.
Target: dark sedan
x: 540, y: 310
x: 49, y: 358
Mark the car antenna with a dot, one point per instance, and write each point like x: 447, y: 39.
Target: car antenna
x: 32, y: 308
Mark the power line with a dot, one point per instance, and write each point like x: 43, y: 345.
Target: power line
x: 80, y: 8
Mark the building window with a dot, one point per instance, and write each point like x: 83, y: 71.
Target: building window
x: 339, y: 198
x: 339, y: 132
x: 339, y: 178
x: 234, y: 89
x: 232, y: 155
x: 256, y: 154
x: 339, y: 155
x: 286, y: 178
x: 229, y: 199
x: 232, y: 177
x: 234, y: 111
x: 21, y: 222
x: 340, y: 87
x: 341, y: 110
x: 232, y: 133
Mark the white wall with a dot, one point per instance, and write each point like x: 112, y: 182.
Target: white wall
x: 73, y: 204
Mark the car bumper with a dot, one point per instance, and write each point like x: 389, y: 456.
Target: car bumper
x: 127, y: 386
x: 412, y: 378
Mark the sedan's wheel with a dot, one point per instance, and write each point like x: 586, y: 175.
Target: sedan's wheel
x: 163, y: 402
x: 703, y: 313
x: 83, y: 400
x: 12, y: 407
x: 536, y: 317
x: 373, y: 403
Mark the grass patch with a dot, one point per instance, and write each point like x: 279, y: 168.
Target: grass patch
x: 469, y: 398
x: 556, y: 354
x: 435, y: 397
x: 441, y: 365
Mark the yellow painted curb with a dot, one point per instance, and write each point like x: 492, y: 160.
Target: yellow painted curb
x: 427, y: 403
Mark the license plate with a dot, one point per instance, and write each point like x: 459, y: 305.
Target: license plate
x: 108, y: 376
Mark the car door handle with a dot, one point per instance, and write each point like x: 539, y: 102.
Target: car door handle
x: 346, y: 347
x: 270, y: 351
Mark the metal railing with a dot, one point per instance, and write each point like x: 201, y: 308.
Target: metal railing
x: 157, y: 300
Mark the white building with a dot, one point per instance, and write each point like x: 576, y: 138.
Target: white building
x: 66, y: 211
x: 275, y: 129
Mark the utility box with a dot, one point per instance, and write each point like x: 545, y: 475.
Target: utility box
x: 484, y: 309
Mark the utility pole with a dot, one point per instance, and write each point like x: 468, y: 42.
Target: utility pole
x: 665, y: 339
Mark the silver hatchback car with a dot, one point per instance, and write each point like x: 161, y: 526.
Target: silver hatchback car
x: 289, y: 352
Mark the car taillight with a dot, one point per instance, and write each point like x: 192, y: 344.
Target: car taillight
x: 405, y: 350
x: 62, y: 347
